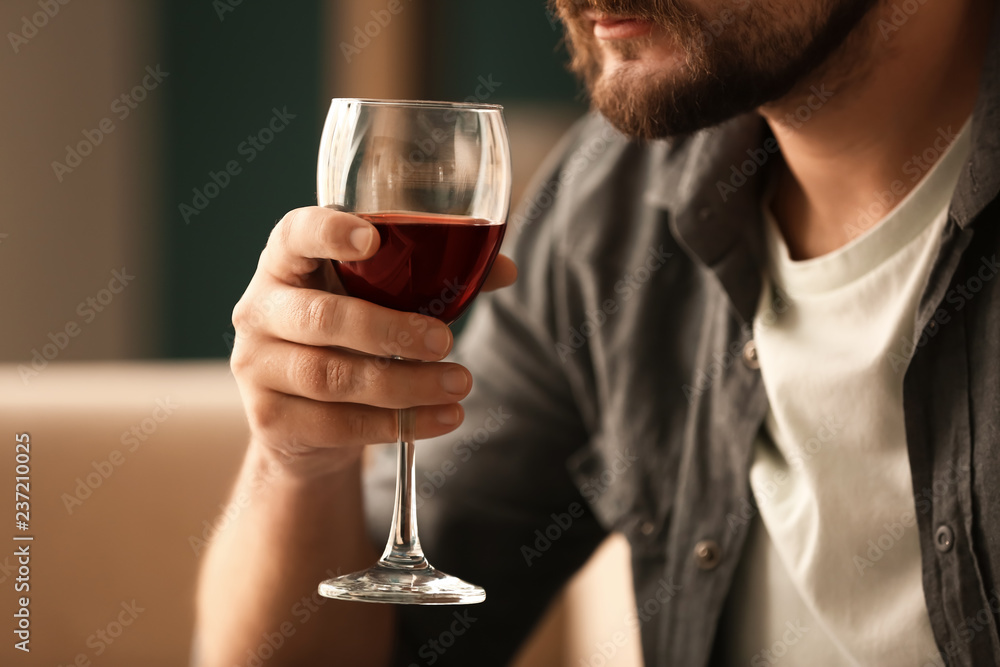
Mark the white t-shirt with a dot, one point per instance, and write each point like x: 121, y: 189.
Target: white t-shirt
x: 831, y: 573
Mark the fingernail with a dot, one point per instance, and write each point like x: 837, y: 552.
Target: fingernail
x: 438, y: 340
x: 455, y: 381
x: 361, y: 238
x: 449, y: 415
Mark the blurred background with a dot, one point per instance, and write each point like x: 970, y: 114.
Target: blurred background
x: 127, y: 235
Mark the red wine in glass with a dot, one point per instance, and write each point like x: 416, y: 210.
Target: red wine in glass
x: 427, y: 263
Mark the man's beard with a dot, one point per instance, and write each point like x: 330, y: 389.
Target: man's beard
x: 726, y: 67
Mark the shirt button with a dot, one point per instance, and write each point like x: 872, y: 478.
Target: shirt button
x: 750, y: 355
x: 647, y: 528
x: 944, y: 538
x: 707, y: 554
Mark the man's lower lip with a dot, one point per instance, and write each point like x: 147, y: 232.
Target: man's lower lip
x: 621, y: 28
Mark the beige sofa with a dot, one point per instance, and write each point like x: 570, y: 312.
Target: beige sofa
x: 129, y: 466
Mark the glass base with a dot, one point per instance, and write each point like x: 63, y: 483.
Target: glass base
x: 384, y: 582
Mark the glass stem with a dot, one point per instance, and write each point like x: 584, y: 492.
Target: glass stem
x: 403, y: 547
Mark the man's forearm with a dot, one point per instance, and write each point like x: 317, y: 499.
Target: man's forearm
x: 257, y: 592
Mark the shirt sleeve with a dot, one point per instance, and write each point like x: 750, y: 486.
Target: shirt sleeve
x: 497, y: 506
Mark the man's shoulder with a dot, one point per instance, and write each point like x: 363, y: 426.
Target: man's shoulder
x: 595, y: 167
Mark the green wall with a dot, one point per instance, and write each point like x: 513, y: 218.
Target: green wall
x: 227, y: 76
x: 514, y: 40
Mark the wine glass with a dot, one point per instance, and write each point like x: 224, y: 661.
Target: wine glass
x: 434, y: 179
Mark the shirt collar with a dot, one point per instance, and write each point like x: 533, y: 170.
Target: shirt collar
x: 979, y: 183
x: 711, y: 184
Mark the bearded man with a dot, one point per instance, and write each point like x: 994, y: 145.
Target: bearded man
x: 756, y: 331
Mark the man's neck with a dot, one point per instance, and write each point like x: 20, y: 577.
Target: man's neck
x: 859, y: 135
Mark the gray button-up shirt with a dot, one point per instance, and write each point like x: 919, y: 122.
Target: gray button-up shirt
x: 616, y: 389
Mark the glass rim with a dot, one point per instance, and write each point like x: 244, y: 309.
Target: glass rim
x: 434, y: 104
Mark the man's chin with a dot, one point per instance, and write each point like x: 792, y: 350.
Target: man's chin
x: 656, y: 105
x: 643, y: 59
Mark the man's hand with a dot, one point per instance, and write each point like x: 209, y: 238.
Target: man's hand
x: 310, y: 361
